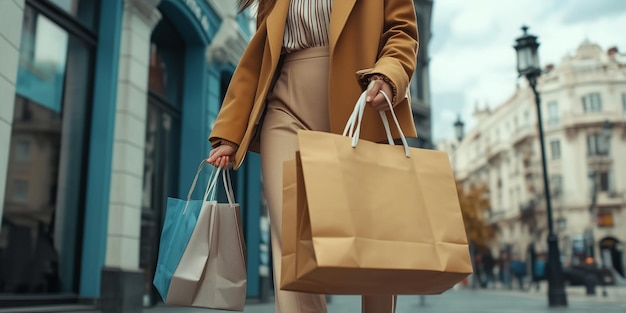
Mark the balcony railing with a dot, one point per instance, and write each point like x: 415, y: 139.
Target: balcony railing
x: 494, y: 149
x: 575, y: 120
x: 523, y: 133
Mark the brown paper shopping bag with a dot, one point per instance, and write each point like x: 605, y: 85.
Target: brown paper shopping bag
x: 294, y: 199
x: 212, y: 270
x: 378, y: 219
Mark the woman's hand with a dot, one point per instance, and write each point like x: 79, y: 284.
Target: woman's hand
x: 221, y: 156
x: 375, y: 98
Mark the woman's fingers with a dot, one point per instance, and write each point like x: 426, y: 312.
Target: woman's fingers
x: 219, y: 157
x: 221, y: 161
x: 372, y: 90
x: 374, y: 98
x: 380, y: 103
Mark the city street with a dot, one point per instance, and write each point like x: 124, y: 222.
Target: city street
x: 464, y: 300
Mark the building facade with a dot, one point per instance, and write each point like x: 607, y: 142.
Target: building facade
x: 420, y: 82
x: 583, y: 103
x: 106, y: 109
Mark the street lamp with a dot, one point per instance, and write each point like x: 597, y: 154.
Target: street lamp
x: 458, y: 128
x: 528, y: 66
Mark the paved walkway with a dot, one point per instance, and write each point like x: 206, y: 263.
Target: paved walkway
x: 462, y: 301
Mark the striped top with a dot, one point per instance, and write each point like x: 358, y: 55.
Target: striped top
x: 307, y: 24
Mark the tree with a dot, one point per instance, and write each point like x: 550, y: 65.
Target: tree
x: 474, y: 204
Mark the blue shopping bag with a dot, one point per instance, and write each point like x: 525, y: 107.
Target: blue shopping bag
x: 181, y: 218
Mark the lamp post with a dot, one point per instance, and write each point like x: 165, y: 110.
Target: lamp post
x: 528, y: 66
x: 458, y: 128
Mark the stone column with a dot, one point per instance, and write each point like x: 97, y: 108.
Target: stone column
x: 11, y: 15
x: 122, y: 279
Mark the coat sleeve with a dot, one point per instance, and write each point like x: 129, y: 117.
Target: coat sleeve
x: 399, y: 46
x: 233, y: 118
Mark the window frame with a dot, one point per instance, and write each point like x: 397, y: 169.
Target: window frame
x: 553, y: 113
x: 599, y: 145
x: 592, y: 102
x: 555, y: 149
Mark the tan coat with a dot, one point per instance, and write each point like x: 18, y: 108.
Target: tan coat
x: 366, y: 37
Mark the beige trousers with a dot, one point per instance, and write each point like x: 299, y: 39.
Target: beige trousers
x: 299, y: 100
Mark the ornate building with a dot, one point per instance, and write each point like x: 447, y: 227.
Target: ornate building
x: 584, y: 111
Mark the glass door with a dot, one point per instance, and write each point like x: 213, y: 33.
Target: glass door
x: 162, y: 151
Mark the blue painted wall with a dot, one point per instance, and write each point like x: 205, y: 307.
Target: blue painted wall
x: 101, y: 148
x: 202, y: 95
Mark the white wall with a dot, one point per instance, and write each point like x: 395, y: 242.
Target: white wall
x: 123, y: 239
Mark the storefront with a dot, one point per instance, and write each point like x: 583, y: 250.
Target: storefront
x: 113, y: 102
x: 40, y: 236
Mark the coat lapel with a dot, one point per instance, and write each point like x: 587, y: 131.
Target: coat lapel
x: 338, y: 18
x: 276, y: 28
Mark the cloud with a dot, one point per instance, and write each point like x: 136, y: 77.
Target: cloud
x: 448, y: 115
x: 472, y: 55
x: 580, y: 11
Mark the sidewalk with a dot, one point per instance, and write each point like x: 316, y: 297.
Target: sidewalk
x: 458, y: 300
x: 453, y: 301
x: 578, y: 293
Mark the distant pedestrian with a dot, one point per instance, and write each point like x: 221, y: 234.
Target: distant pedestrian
x: 488, y: 267
x: 518, y: 268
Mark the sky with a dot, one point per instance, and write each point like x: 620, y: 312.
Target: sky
x: 471, y: 49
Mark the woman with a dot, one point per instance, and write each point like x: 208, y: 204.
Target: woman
x: 304, y: 69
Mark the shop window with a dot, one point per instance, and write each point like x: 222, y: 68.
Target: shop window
x: 85, y: 11
x: 605, y: 219
x: 42, y: 207
x: 167, y: 59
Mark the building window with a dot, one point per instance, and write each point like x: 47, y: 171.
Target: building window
x: 605, y: 219
x: 556, y: 185
x: 22, y: 151
x: 555, y: 148
x: 553, y: 113
x: 85, y: 11
x: 44, y: 207
x: 527, y: 117
x: 605, y: 181
x: 20, y: 191
x: 592, y: 102
x: 597, y: 145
